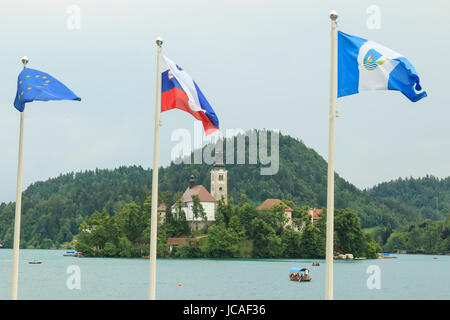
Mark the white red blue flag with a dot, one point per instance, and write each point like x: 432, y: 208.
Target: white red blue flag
x: 179, y: 91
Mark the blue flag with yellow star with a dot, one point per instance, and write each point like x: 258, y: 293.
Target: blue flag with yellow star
x: 37, y: 85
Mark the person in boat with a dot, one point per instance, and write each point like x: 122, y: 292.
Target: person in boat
x: 304, y: 274
x: 294, y: 276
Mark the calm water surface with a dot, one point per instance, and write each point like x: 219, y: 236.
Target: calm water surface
x: 407, y: 277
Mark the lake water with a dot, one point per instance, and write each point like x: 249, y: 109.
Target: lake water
x: 407, y: 277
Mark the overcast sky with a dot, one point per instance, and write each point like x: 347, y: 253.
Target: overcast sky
x: 261, y: 64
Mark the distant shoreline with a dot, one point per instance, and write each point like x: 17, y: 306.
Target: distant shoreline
x: 321, y: 260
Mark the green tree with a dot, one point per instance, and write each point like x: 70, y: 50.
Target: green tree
x: 221, y: 242
x: 312, y: 242
x: 125, y: 247
x: 291, y: 241
x: 197, y: 209
x: 130, y: 221
x: 266, y: 243
x: 397, y: 241
x: 348, y: 235
x: 176, y: 224
x: 110, y: 250
x: 46, y: 243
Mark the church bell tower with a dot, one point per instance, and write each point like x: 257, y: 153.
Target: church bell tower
x: 219, y: 185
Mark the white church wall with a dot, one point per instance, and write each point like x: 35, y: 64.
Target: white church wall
x: 210, y: 209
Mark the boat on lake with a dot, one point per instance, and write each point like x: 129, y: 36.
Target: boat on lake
x: 34, y: 262
x: 299, y: 274
x: 386, y: 256
x: 72, y: 253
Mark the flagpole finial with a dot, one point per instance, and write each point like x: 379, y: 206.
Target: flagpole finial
x: 159, y: 41
x: 333, y: 15
x: 25, y: 61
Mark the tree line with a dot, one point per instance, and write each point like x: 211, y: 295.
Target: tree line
x: 427, y: 236
x: 239, y: 231
x: 53, y: 210
x: 429, y: 194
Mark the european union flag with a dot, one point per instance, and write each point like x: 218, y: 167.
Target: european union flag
x: 37, y: 85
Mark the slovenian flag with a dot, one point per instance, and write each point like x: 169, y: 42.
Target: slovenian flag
x: 179, y: 91
x: 367, y: 65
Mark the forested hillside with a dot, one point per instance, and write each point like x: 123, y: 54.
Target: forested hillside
x: 430, y: 237
x: 430, y: 195
x: 52, y: 210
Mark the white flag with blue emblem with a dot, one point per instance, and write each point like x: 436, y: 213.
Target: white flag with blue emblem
x: 367, y: 65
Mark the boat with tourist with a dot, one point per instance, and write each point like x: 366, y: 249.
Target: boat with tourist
x: 299, y: 274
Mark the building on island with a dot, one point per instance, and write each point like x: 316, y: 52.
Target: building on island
x: 162, y: 213
x: 219, y: 189
x: 269, y: 204
x: 315, y: 214
x: 207, y: 201
x: 173, y: 242
x: 219, y: 178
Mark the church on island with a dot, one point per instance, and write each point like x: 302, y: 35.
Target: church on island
x: 219, y: 189
x: 207, y: 200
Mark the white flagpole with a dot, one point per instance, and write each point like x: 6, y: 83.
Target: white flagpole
x: 16, y: 245
x: 330, y: 191
x: 154, y: 217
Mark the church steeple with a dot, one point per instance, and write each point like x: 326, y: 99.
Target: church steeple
x: 218, y: 161
x: 219, y: 184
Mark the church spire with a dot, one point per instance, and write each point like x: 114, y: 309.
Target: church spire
x: 218, y: 161
x: 219, y: 183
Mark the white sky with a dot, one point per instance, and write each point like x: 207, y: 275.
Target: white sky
x: 261, y: 64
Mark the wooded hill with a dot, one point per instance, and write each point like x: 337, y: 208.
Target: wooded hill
x: 52, y: 210
x: 429, y: 195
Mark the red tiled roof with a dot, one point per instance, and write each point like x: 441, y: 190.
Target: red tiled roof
x: 183, y: 241
x: 176, y: 241
x: 199, y: 190
x: 162, y: 207
x: 315, y: 213
x: 268, y: 204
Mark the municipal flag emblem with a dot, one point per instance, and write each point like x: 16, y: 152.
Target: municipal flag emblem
x: 373, y: 59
